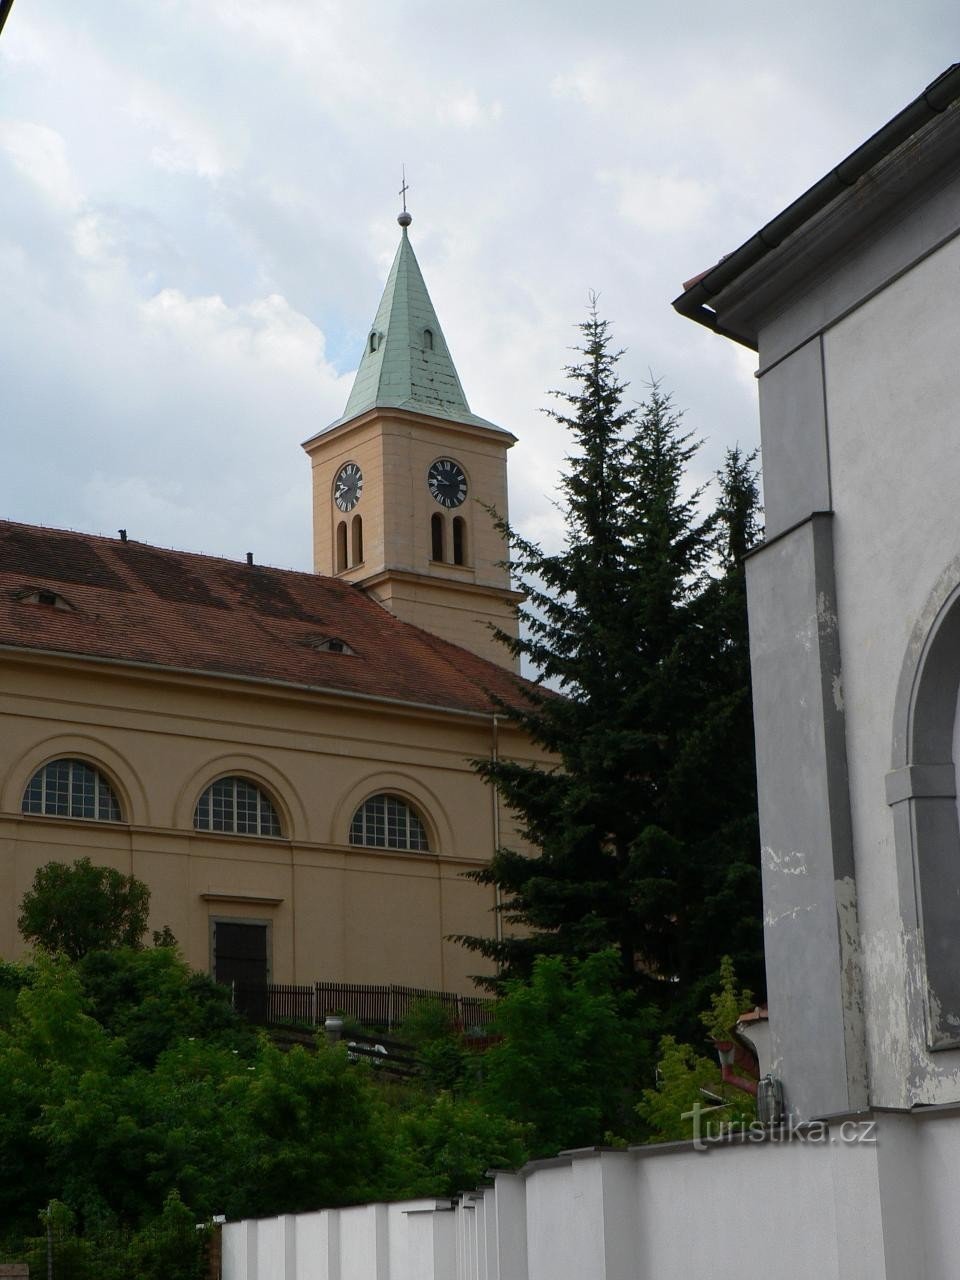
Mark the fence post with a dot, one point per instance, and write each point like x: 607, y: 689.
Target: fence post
x: 390, y: 1008
x: 314, y: 1005
x: 215, y: 1252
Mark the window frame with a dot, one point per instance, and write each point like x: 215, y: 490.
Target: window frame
x: 264, y: 800
x: 101, y: 782
x: 412, y: 816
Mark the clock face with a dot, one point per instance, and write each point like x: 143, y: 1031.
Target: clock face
x: 447, y: 482
x: 348, y: 486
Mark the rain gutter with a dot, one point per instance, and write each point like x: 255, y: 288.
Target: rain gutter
x: 935, y: 99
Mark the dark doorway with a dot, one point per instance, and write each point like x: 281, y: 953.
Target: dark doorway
x: 240, y: 952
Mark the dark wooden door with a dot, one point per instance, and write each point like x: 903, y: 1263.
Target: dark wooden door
x: 240, y: 953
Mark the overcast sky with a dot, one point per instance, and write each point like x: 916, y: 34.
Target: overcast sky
x: 198, y: 203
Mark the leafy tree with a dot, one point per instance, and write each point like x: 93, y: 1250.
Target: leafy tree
x: 152, y: 998
x: 13, y: 978
x: 310, y: 1133
x: 572, y: 1052
x: 80, y: 908
x: 726, y: 1004
x: 446, y: 1145
x: 686, y: 1080
x: 443, y: 1061
x: 682, y: 1073
x: 640, y: 622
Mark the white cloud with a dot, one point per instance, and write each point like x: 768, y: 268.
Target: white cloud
x: 265, y: 332
x: 659, y: 203
x: 465, y: 110
x: 40, y: 154
x: 589, y: 84
x: 187, y: 144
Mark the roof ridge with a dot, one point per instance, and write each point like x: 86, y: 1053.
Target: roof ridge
x: 154, y: 546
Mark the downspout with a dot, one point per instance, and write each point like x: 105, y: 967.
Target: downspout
x: 935, y: 99
x: 495, y: 756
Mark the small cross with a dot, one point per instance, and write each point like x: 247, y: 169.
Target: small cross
x: 404, y: 189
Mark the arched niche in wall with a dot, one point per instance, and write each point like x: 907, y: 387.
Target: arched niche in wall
x: 116, y: 769
x: 922, y: 793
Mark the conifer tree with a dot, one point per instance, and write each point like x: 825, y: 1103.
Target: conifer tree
x: 645, y: 648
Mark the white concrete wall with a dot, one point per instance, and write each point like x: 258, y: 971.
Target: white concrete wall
x: 892, y: 381
x: 855, y: 1202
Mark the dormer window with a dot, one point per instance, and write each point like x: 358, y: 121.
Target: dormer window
x: 428, y: 339
x: 43, y: 595
x: 374, y: 341
x: 329, y: 644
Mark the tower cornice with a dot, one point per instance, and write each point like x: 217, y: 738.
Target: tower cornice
x: 476, y: 429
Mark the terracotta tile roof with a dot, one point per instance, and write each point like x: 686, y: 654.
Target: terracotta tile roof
x: 136, y: 603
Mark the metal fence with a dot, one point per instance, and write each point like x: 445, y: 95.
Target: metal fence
x: 372, y: 1005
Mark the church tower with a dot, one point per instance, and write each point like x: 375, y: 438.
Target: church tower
x: 401, y: 481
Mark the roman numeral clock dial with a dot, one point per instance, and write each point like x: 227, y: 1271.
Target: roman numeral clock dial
x: 348, y: 486
x: 447, y: 482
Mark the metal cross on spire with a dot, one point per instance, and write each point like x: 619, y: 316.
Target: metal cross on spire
x: 404, y: 218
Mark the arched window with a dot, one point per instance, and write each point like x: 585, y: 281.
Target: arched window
x: 357, y: 540
x: 436, y: 536
x: 428, y: 339
x: 71, y: 789
x: 374, y: 341
x: 922, y: 791
x: 387, y: 822
x: 459, y: 540
x: 341, y: 546
x: 238, y: 807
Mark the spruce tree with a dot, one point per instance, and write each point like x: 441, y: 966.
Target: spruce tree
x: 625, y: 622
x: 714, y: 776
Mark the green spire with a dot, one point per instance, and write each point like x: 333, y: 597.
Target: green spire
x: 406, y: 363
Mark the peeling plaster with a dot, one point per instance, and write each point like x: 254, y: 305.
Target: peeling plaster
x: 851, y: 988
x: 827, y: 620
x: 838, y: 693
x: 771, y: 918
x: 904, y: 1072
x: 891, y: 1052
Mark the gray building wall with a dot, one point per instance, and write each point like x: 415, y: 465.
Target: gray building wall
x: 860, y: 422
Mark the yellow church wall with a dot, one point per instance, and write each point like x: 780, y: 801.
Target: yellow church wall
x: 336, y: 911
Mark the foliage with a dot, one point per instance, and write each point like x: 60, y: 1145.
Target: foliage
x: 427, y: 1022
x: 170, y: 1248
x: 573, y: 1051
x: 727, y: 1004
x: 152, y: 998
x: 13, y: 978
x: 134, y: 1126
x: 431, y: 1027
x: 447, y: 1145
x: 645, y: 835
x: 309, y: 1131
x: 682, y: 1074
x: 80, y: 908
